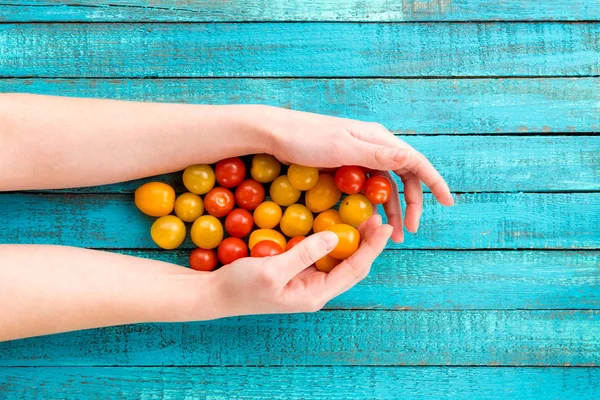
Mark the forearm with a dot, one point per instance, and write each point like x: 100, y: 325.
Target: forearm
x: 51, y: 289
x: 57, y: 142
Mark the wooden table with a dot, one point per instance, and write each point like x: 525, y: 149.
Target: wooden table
x: 496, y: 297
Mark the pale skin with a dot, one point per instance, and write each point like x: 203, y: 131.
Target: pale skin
x: 56, y: 142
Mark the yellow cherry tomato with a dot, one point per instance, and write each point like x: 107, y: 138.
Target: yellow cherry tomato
x: 348, y: 241
x: 168, y: 232
x: 297, y: 220
x: 264, y: 168
x: 326, y: 219
x: 323, y: 195
x: 266, y: 234
x: 207, y: 232
x: 267, y: 215
x: 302, y: 178
x: 282, y: 192
x: 327, y: 263
x: 199, y: 179
x: 189, y: 207
x: 355, y: 209
x: 155, y: 199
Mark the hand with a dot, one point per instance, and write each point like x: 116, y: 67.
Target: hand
x: 329, y: 142
x: 289, y: 282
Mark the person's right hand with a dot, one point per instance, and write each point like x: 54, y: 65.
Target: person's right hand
x: 289, y: 282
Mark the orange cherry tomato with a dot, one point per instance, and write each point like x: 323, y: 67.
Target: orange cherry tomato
x: 203, y: 260
x: 231, y: 249
x: 302, y: 178
x: 155, y: 199
x: 355, y: 209
x: 294, y: 241
x: 323, y: 195
x: 168, y: 232
x: 327, y: 263
x: 207, y: 232
x: 267, y: 215
x: 378, y: 189
x: 266, y: 248
x: 297, y: 220
x: 326, y: 219
x: 199, y: 179
x: 189, y: 207
x: 249, y: 194
x: 282, y: 192
x: 230, y: 172
x: 219, y: 202
x: 265, y: 168
x: 239, y: 223
x: 348, y: 241
x: 266, y: 234
x: 350, y: 179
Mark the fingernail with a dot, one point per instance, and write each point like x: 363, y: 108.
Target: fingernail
x: 330, y: 240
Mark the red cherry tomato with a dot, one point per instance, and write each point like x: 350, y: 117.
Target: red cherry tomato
x: 219, y: 202
x: 266, y: 248
x: 378, y: 189
x: 232, y: 249
x: 294, y: 241
x: 203, y: 260
x: 230, y: 172
x: 249, y: 194
x: 350, y: 179
x: 239, y: 223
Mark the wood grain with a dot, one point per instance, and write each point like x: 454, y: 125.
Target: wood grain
x: 497, y: 338
x: 289, y: 383
x: 488, y: 221
x: 307, y: 50
x: 409, y: 106
x: 298, y: 10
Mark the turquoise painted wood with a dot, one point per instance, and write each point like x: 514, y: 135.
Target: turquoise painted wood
x: 329, y: 383
x: 298, y: 10
x: 307, y: 50
x: 497, y: 338
x: 464, y: 280
x: 478, y: 221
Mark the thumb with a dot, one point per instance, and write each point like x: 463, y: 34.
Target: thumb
x: 380, y: 157
x: 306, y: 253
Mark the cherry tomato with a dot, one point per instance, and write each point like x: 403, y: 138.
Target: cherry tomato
x: 266, y: 234
x: 168, y: 232
x: 348, y: 241
x: 232, y: 249
x: 266, y: 248
x: 249, y: 194
x: 297, y: 220
x: 219, y: 202
x: 199, y: 179
x: 350, y: 179
x: 326, y: 219
x: 378, y: 189
x: 323, y: 195
x: 230, y: 172
x: 239, y: 223
x: 207, y: 232
x: 267, y: 215
x: 203, y: 260
x: 355, y: 209
x: 265, y: 168
x: 155, y: 199
x: 189, y: 207
x: 294, y: 241
x: 327, y: 263
x: 282, y: 192
x: 302, y: 178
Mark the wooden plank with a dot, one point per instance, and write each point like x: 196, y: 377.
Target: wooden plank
x: 497, y: 338
x: 288, y: 383
x: 462, y: 280
x: 489, y: 221
x: 409, y: 106
x: 298, y: 10
x: 307, y: 50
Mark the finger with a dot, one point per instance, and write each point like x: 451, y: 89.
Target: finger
x: 366, y: 228
x: 413, y: 194
x: 374, y: 156
x: 304, y: 254
x: 393, y: 209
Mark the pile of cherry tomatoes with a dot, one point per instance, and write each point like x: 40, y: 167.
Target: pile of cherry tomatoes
x: 264, y: 214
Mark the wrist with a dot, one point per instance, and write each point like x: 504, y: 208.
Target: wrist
x: 254, y: 123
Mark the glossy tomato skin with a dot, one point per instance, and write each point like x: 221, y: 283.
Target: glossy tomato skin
x: 301, y: 177
x: 155, y: 199
x: 355, y: 209
x: 327, y: 263
x: 294, y: 241
x: 230, y: 172
x: 239, y: 223
x: 350, y: 179
x: 264, y: 168
x: 219, y: 202
x: 297, y: 220
x: 378, y: 189
x: 203, y: 260
x: 266, y: 234
x: 189, y: 207
x: 326, y: 219
x: 168, y: 232
x: 323, y: 195
x: 207, y: 232
x: 348, y: 241
x: 267, y: 215
x: 199, y: 179
x: 231, y: 249
x: 266, y: 248
x: 249, y: 194
x: 282, y: 192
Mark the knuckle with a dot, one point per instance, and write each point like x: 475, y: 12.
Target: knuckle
x: 306, y: 253
x: 267, y: 278
x: 379, y: 155
x: 315, y: 305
